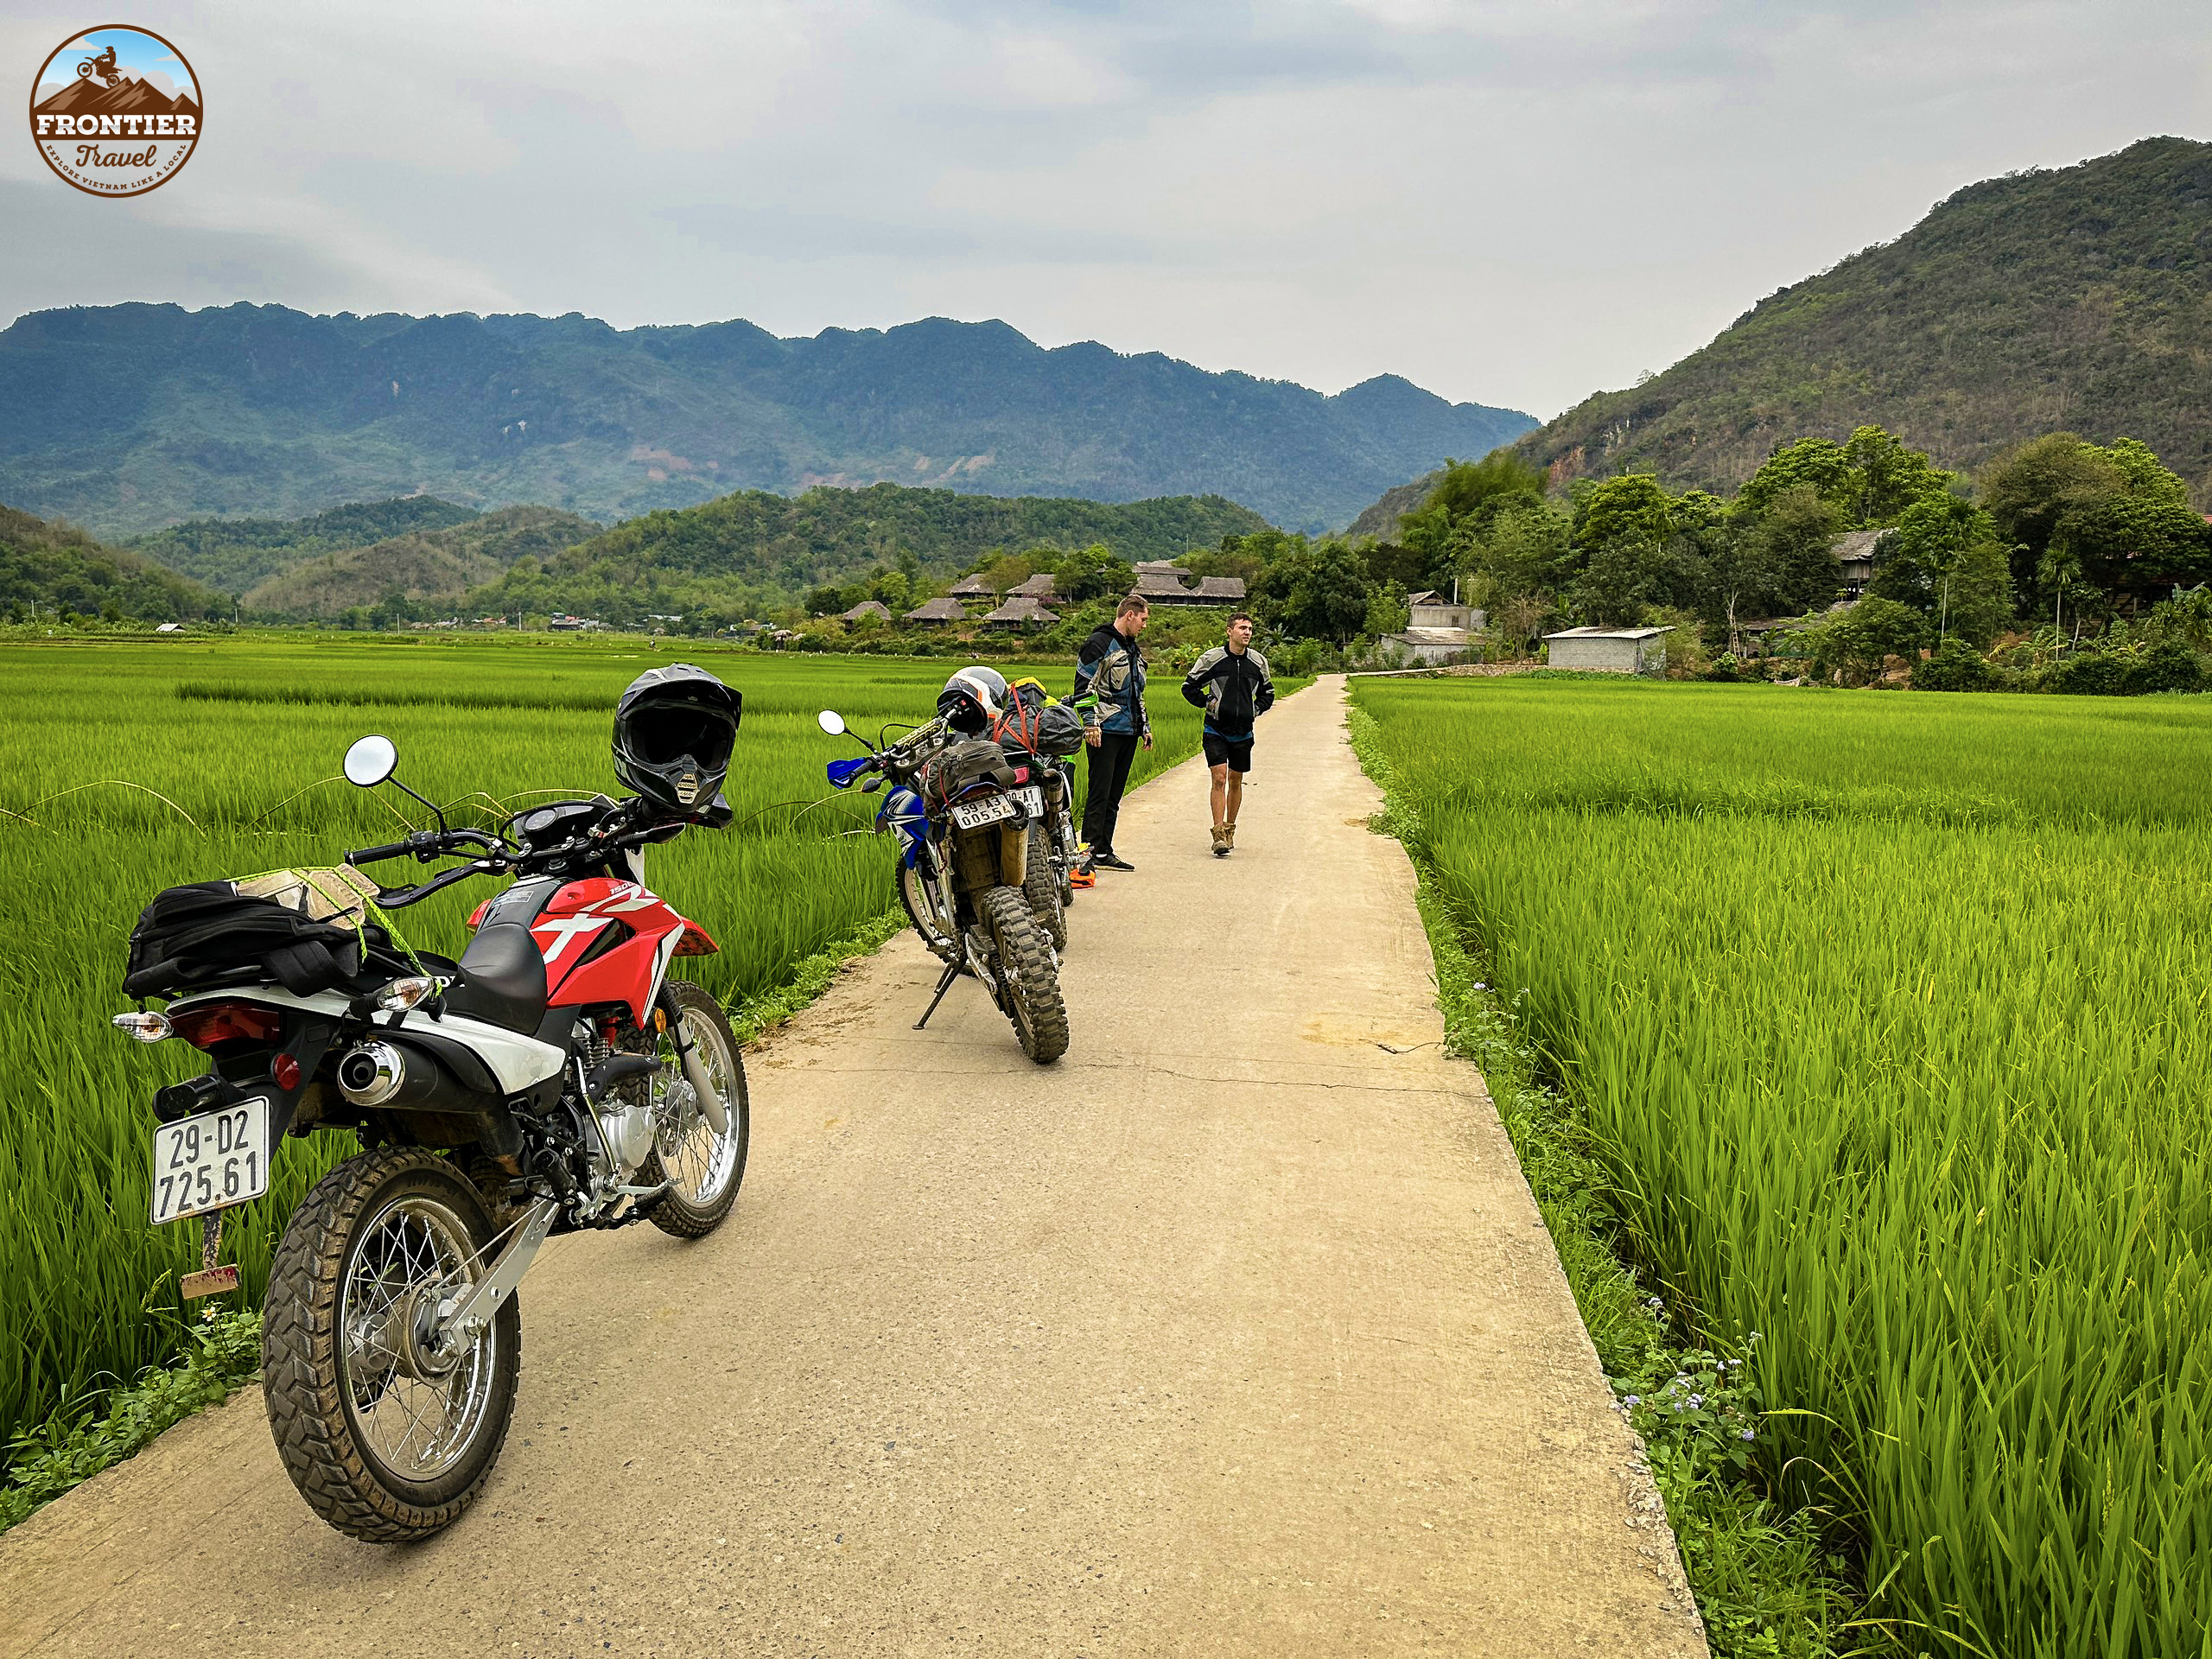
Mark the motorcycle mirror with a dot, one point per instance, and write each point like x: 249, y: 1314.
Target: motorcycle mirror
x: 371, y: 760
x: 830, y: 721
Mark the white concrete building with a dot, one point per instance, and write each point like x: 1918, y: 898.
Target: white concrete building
x: 1610, y: 651
x: 1438, y: 630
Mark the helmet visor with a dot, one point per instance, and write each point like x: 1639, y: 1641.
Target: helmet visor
x: 667, y: 735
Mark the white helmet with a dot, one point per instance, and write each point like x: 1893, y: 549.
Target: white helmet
x: 972, y: 698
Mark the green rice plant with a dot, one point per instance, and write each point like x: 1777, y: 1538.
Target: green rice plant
x: 1889, y: 1020
x: 117, y: 785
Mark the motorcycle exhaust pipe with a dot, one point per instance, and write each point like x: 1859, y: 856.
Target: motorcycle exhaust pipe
x: 379, y: 1074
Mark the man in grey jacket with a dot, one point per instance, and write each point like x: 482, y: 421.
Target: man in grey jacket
x: 1110, y: 663
x: 1231, y: 683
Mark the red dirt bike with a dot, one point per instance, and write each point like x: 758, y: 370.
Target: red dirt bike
x: 553, y: 1078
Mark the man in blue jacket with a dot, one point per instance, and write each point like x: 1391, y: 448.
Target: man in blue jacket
x: 1110, y: 663
x: 1231, y: 683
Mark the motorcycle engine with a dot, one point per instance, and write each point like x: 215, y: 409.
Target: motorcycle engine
x: 623, y: 1118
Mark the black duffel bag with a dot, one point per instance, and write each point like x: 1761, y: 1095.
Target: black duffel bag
x: 207, y: 933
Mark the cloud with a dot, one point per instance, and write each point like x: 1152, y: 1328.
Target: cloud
x: 1502, y: 202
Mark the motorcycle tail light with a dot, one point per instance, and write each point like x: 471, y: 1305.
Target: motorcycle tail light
x: 146, y: 1026
x: 1021, y: 774
x: 284, y: 1071
x: 225, y: 1023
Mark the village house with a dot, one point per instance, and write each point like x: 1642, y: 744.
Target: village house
x: 1610, y: 651
x: 1854, y: 557
x: 1039, y: 587
x: 972, y: 587
x: 1440, y: 631
x: 1021, y: 610
x: 1162, y: 582
x: 865, y: 610
x: 938, y: 612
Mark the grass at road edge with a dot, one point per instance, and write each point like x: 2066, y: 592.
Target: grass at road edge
x: 96, y: 1431
x: 1765, y: 1583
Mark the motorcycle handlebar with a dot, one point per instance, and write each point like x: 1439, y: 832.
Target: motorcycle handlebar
x: 373, y: 855
x: 428, y: 844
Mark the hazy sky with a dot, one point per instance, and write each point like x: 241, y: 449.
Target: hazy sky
x: 1515, y: 204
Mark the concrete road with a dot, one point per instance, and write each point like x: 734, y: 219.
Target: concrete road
x: 1235, y: 1332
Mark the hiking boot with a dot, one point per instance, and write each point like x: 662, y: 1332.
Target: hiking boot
x: 1108, y: 862
x: 1220, y: 842
x: 1227, y: 839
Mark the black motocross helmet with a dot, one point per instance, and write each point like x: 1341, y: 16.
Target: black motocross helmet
x: 673, y: 733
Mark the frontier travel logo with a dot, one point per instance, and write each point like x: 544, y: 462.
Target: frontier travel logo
x: 116, y: 111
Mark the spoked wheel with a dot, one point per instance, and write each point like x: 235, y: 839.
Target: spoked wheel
x: 914, y: 893
x: 387, y: 1438
x: 1040, y: 885
x: 702, y: 1169
x: 1026, y: 970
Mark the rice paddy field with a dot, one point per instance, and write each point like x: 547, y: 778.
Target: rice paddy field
x: 1889, y: 1015
x: 133, y: 765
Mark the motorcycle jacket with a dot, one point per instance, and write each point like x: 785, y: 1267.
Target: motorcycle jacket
x: 1112, y: 666
x: 1235, y: 690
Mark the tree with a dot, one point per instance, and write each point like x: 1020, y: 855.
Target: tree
x: 1094, y: 573
x: 1523, y: 552
x: 1891, y: 477
x: 1812, y: 463
x: 1318, y: 592
x: 1793, y: 549
x: 1944, y: 560
x: 1387, y: 612
x: 1977, y: 602
x: 1461, y: 506
x: 1630, y: 508
x: 1856, y: 645
x: 2041, y: 492
x: 1954, y: 665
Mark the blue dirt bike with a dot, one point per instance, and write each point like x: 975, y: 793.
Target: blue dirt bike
x: 965, y: 814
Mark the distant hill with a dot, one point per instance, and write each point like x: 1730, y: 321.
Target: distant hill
x: 48, y: 568
x: 1380, y: 519
x: 129, y: 417
x: 432, y: 565
x: 235, y: 553
x: 2079, y: 299
x: 752, y: 549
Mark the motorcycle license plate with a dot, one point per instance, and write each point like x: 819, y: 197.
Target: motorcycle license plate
x: 974, y: 815
x: 211, y: 1161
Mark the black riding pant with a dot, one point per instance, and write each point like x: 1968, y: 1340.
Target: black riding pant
x: 1109, y: 776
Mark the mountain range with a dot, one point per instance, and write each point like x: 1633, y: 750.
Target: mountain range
x: 125, y: 418
x: 2078, y: 299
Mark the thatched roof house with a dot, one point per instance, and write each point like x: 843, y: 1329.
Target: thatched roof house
x: 866, y: 609
x: 1168, y: 584
x: 972, y: 587
x: 938, y: 611
x: 1039, y: 587
x: 1020, y: 611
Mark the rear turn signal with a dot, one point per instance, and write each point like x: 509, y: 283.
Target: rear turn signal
x: 403, y: 994
x: 225, y: 1023
x: 146, y: 1026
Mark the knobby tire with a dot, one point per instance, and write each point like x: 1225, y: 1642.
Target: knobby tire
x: 302, y: 1382
x: 1032, y: 980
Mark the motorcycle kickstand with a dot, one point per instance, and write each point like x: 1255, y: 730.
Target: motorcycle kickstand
x: 944, y: 983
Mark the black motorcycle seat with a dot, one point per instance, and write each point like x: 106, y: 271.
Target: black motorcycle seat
x: 502, y: 979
